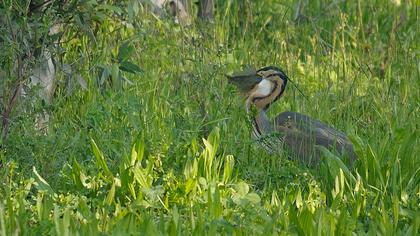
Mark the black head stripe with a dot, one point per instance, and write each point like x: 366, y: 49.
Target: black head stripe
x: 279, y: 74
x: 277, y: 71
x: 283, y: 87
x: 270, y: 68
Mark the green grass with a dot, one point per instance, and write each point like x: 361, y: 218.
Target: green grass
x: 171, y: 152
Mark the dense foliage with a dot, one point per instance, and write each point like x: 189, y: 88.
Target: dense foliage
x: 147, y: 136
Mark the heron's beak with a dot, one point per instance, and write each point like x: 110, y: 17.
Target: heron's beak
x: 245, y: 80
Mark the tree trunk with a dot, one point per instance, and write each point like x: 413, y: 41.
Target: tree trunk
x: 206, y: 10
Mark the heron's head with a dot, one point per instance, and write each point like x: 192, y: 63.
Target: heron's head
x: 261, y: 87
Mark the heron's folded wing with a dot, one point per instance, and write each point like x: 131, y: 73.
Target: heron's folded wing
x: 311, y: 127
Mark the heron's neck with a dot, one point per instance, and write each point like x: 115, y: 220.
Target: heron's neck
x: 260, y: 122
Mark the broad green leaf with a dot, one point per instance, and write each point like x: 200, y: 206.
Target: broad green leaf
x: 41, y: 184
x: 2, y: 221
x: 141, y: 177
x: 125, y: 51
x: 140, y: 148
x: 111, y: 194
x: 188, y: 169
x: 130, y: 67
x: 275, y: 201
x: 242, y: 188
x: 133, y: 155
x: 253, y: 198
x: 299, y: 201
x: 100, y: 161
x: 335, y: 164
x: 115, y: 72
x: 228, y: 168
x: 190, y: 185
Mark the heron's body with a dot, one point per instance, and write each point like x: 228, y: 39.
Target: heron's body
x: 295, y: 133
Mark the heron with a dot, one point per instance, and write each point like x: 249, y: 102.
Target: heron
x: 296, y: 134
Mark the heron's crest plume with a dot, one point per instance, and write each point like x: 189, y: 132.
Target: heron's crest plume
x: 246, y: 80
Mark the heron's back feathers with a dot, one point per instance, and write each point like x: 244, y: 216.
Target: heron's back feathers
x: 302, y: 133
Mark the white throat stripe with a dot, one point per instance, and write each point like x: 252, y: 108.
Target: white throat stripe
x: 264, y: 88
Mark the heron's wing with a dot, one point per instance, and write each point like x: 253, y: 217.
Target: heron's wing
x: 302, y: 133
x: 311, y: 127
